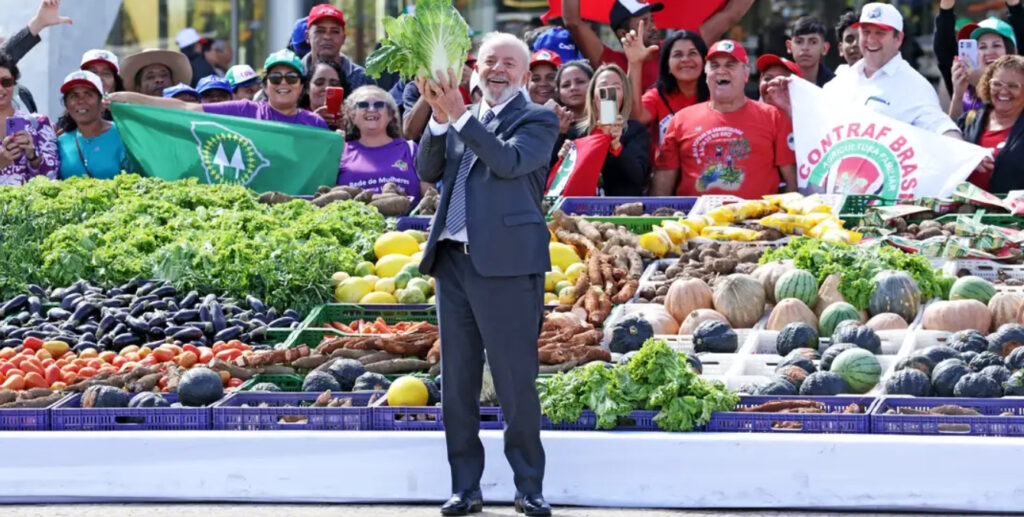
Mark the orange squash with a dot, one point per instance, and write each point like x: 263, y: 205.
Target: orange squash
x: 687, y: 295
x: 887, y: 321
x: 700, y: 316
x: 789, y: 311
x: 1004, y: 308
x: 741, y: 299
x: 957, y: 315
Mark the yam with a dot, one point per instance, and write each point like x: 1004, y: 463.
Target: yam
x: 274, y: 198
x: 630, y: 209
x: 364, y: 196
x: 327, y: 199
x: 391, y: 205
x: 398, y: 366
x: 391, y: 188
x: 377, y: 357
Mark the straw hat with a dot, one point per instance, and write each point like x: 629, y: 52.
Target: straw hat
x: 181, y: 70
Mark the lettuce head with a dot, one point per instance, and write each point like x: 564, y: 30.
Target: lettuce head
x: 435, y: 37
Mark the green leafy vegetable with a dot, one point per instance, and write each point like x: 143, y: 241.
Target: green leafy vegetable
x: 657, y: 378
x: 857, y: 266
x: 434, y: 38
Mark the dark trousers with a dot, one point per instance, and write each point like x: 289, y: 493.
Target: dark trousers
x: 502, y: 316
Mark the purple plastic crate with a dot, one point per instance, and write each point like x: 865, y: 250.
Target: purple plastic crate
x: 605, y: 206
x: 426, y: 418
x: 741, y: 422
x: 990, y: 424
x: 228, y: 414
x: 636, y: 421
x: 68, y: 415
x: 36, y: 419
x: 420, y: 223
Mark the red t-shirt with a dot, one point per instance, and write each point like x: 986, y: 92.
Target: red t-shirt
x: 662, y: 113
x: 993, y: 140
x: 736, y: 153
x: 650, y: 71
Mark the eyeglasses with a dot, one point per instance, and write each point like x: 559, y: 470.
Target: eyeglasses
x: 323, y: 81
x: 377, y: 105
x: 1013, y: 87
x: 7, y: 82
x: 291, y: 78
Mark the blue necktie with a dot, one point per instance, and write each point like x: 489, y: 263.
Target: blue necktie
x: 456, y: 220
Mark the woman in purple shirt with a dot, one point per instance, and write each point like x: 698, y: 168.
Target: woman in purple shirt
x: 283, y: 84
x: 375, y: 153
x: 31, y: 150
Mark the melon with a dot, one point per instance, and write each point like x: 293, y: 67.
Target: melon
x: 859, y: 368
x: 797, y: 284
x: 972, y: 288
x: 835, y: 314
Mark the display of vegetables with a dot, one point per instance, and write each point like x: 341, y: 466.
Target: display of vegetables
x: 391, y: 201
x: 208, y: 238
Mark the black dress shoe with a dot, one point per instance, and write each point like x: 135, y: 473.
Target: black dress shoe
x: 533, y: 506
x: 464, y: 503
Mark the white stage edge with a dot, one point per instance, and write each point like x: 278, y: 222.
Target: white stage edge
x: 657, y: 470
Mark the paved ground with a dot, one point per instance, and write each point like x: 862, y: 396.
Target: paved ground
x: 234, y: 510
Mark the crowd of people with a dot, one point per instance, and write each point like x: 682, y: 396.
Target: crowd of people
x: 683, y: 124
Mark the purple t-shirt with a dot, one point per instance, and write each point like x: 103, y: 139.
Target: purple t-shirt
x: 263, y: 111
x: 370, y: 168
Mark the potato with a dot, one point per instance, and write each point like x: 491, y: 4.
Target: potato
x: 673, y: 271
x: 929, y: 232
x: 724, y: 266
x: 928, y: 224
x: 950, y: 227
x: 769, y: 234
x: 662, y: 290
x: 708, y: 254
x: 751, y: 255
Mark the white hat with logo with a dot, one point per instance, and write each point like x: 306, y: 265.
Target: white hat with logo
x: 882, y: 15
x: 98, y: 55
x: 82, y: 77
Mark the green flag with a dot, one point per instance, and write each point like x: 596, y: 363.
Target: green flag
x: 261, y: 155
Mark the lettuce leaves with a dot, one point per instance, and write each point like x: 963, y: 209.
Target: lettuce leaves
x: 435, y: 37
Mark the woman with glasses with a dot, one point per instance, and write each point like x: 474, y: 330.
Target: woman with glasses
x: 324, y: 75
x: 375, y: 153
x: 998, y: 125
x: 89, y: 145
x: 29, y: 145
x: 283, y: 84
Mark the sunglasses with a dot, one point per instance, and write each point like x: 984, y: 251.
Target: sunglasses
x: 7, y: 82
x: 377, y: 105
x: 291, y: 78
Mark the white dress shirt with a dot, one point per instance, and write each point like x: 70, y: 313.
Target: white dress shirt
x: 438, y: 129
x: 895, y: 90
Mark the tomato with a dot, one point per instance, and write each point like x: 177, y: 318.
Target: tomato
x: 43, y: 353
x: 175, y: 348
x: 32, y: 343
x: 7, y: 367
x: 87, y: 372
x: 235, y: 382
x: 219, y: 346
x: 16, y: 360
x: 28, y: 367
x: 205, y: 355
x: 228, y: 355
x: 35, y: 380
x: 58, y: 386
x: 224, y: 376
x: 69, y: 377
x: 187, y: 359
x: 162, y: 383
x: 14, y: 382
x: 147, y: 361
x: 119, y: 361
x: 127, y: 367
x: 52, y: 374
x: 163, y: 354
x: 8, y: 353
x: 107, y: 369
x: 237, y: 345
x: 107, y: 356
x: 145, y: 351
x: 88, y: 353
x: 132, y: 357
x: 48, y: 362
x: 95, y: 364
x: 71, y: 368
x: 191, y: 348
x: 129, y: 349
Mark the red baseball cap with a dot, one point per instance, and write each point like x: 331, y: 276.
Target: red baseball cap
x: 769, y: 60
x: 321, y: 11
x: 729, y: 47
x: 546, y: 57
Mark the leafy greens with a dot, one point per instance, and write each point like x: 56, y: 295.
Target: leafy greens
x: 434, y: 38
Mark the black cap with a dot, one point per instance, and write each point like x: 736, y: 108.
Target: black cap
x: 623, y: 10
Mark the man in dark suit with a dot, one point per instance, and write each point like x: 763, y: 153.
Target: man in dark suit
x: 488, y: 252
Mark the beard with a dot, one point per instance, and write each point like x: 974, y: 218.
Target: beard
x: 496, y: 98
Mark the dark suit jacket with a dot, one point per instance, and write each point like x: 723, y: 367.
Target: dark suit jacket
x: 506, y: 228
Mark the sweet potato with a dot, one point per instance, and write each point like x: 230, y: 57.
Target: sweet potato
x: 310, y: 362
x: 274, y: 198
x: 588, y: 230
x: 630, y: 209
x: 327, y: 199
x: 377, y: 357
x: 364, y: 196
x: 398, y: 366
x: 391, y: 205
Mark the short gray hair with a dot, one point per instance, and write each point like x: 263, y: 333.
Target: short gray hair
x: 501, y: 38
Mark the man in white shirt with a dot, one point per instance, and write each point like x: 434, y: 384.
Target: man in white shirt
x: 881, y: 81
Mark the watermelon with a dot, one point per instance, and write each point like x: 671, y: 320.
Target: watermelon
x: 859, y: 368
x: 834, y: 314
x: 972, y: 288
x: 799, y: 284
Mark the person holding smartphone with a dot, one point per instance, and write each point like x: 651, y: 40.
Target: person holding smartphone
x: 283, y: 85
x: 980, y: 45
x: 328, y: 88
x: 627, y: 167
x: 29, y: 145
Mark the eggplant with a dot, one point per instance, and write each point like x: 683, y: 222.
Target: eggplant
x: 108, y: 322
x: 231, y: 309
x: 190, y: 300
x: 255, y: 303
x: 119, y: 329
x: 10, y: 343
x: 186, y: 315
x: 113, y: 303
x: 36, y: 291
x: 23, y: 317
x: 155, y: 344
x: 172, y: 306
x: 284, y: 322
x: 205, y: 328
x: 89, y: 327
x: 123, y: 340
x: 75, y: 288
x: 139, y: 300
x: 157, y: 331
x: 157, y: 305
x: 57, y: 314
x: 210, y: 298
x: 39, y: 334
x: 68, y: 302
x: 257, y: 334
x: 145, y: 288
x: 137, y: 310
x: 81, y: 347
x: 189, y: 334
x: 35, y: 305
x: 243, y: 315
x: 172, y: 330
x: 115, y: 291
x: 292, y: 313
x: 49, y: 327
x: 217, y: 317
x: 82, y: 313
x: 204, y: 313
x: 164, y: 290
x: 138, y: 326
x: 159, y: 320
x: 228, y: 334
x: 13, y: 305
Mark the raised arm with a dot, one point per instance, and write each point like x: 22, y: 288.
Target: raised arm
x: 584, y: 36
x: 719, y: 23
x: 156, y: 102
x: 944, y: 42
x: 636, y: 54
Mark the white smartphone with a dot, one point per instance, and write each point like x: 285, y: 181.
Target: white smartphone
x: 969, y: 52
x: 609, y: 106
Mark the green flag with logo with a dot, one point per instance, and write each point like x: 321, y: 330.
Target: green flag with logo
x: 264, y: 156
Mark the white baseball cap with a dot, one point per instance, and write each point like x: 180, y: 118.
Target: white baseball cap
x: 98, y: 55
x: 83, y: 77
x: 883, y: 15
x: 188, y: 37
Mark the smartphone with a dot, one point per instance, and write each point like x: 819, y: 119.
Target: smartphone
x: 969, y: 52
x: 609, y: 106
x: 335, y: 96
x: 16, y: 125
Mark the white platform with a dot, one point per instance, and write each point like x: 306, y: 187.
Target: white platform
x: 583, y: 468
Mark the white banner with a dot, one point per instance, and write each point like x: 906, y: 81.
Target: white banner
x: 853, y: 150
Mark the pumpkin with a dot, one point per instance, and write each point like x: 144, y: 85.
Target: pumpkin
x: 661, y: 321
x: 686, y: 296
x: 629, y: 335
x: 716, y: 337
x: 895, y: 291
x: 770, y: 273
x: 740, y: 298
x: 886, y: 321
x: 1004, y: 308
x: 700, y: 316
x: 828, y: 294
x: 957, y: 315
x: 789, y: 311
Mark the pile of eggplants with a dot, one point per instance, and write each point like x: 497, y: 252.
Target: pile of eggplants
x: 137, y: 313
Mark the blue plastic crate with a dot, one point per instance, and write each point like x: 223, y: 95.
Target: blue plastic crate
x: 420, y: 223
x: 284, y: 412
x: 425, y: 418
x: 989, y: 424
x: 35, y: 419
x: 846, y: 423
x: 605, y: 206
x: 68, y: 415
x: 636, y: 421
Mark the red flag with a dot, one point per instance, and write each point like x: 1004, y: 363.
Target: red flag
x: 578, y: 172
x: 677, y: 14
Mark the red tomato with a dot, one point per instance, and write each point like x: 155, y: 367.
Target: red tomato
x: 228, y: 355
x: 148, y: 361
x: 7, y: 367
x: 14, y: 382
x: 95, y: 364
x: 35, y: 380
x: 119, y: 361
x: 43, y: 353
x: 69, y: 377
x: 88, y: 352
x: 107, y: 369
x: 71, y: 368
x: 28, y: 367
x: 163, y: 354
x: 8, y: 353
x: 52, y: 374
x: 87, y: 372
x: 205, y: 355
x: 32, y: 343
x: 191, y: 348
x: 186, y: 359
x: 234, y: 382
x: 107, y: 356
x: 219, y: 346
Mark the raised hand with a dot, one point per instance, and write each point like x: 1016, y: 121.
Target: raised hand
x: 633, y: 46
x: 47, y: 15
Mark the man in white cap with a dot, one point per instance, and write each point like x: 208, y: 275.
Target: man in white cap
x: 195, y: 48
x: 881, y: 81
